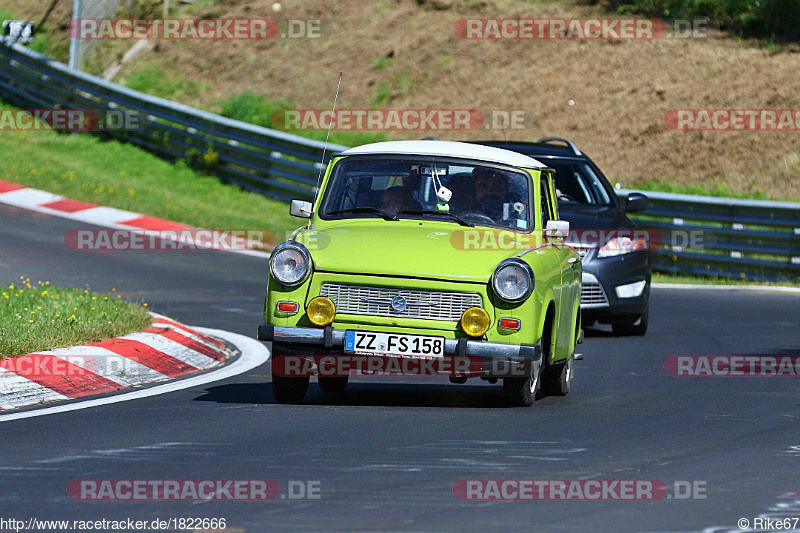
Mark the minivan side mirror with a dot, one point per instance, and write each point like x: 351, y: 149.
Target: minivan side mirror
x: 636, y: 202
x: 300, y: 209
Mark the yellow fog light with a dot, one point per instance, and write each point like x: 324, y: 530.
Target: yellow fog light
x: 475, y: 321
x: 321, y: 311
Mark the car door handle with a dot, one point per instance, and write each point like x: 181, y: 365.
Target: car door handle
x: 573, y: 259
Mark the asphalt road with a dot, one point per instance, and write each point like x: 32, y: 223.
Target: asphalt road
x: 388, y: 453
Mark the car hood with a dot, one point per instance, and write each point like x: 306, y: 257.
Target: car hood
x: 407, y: 248
x: 601, y: 219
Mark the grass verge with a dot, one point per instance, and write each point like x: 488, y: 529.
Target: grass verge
x: 660, y: 277
x: 39, y: 317
x: 110, y: 173
x: 721, y: 190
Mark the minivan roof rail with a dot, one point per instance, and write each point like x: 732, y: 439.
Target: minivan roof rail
x: 570, y: 144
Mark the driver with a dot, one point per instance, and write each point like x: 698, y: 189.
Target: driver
x: 491, y: 188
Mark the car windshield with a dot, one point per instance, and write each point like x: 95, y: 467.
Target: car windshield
x: 482, y: 194
x: 578, y: 186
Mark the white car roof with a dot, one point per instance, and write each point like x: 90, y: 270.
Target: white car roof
x: 448, y: 149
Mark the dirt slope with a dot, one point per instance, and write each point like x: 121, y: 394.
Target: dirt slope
x: 620, y: 90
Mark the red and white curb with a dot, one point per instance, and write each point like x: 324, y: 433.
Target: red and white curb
x: 48, y: 203
x: 164, y: 351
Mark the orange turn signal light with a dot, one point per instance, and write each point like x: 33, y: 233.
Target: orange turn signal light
x: 288, y: 307
x: 510, y: 323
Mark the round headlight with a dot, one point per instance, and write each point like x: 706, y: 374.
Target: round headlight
x: 513, y: 280
x: 290, y: 263
x: 475, y: 322
x: 321, y: 311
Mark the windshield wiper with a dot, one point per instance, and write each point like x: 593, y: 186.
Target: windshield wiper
x: 383, y: 214
x: 440, y: 213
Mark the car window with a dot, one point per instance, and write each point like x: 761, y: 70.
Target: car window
x: 481, y: 194
x: 547, y: 203
x: 578, y: 185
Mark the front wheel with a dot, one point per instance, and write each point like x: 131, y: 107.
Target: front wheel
x: 523, y: 391
x: 289, y: 390
x: 556, y: 379
x: 286, y: 389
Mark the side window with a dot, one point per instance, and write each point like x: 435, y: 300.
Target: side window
x: 553, y: 196
x: 547, y: 202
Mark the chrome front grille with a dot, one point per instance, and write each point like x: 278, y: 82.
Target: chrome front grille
x: 377, y: 301
x: 592, y: 293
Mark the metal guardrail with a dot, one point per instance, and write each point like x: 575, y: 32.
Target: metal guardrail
x: 725, y: 237
x: 706, y: 235
x: 264, y: 160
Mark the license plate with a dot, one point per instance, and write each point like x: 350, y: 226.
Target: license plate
x: 368, y: 342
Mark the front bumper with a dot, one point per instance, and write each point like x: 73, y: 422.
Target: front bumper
x: 599, y: 300
x: 330, y: 341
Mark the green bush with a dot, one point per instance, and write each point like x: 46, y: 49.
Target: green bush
x: 258, y: 109
x: 153, y: 80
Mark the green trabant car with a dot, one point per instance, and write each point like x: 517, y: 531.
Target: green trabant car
x: 428, y: 251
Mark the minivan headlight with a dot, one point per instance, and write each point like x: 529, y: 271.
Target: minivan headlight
x: 290, y: 263
x: 513, y: 280
x: 621, y: 245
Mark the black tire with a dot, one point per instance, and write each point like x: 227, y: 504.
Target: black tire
x: 557, y: 378
x: 287, y: 390
x: 333, y: 384
x: 639, y: 327
x: 523, y: 391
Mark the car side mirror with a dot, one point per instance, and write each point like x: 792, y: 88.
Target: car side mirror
x: 557, y: 228
x: 300, y: 209
x: 636, y: 202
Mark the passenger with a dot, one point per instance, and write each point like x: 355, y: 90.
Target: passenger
x: 397, y: 199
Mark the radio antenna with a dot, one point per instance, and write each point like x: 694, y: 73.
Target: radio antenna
x: 330, y: 124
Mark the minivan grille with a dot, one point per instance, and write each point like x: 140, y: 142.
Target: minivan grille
x: 592, y: 293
